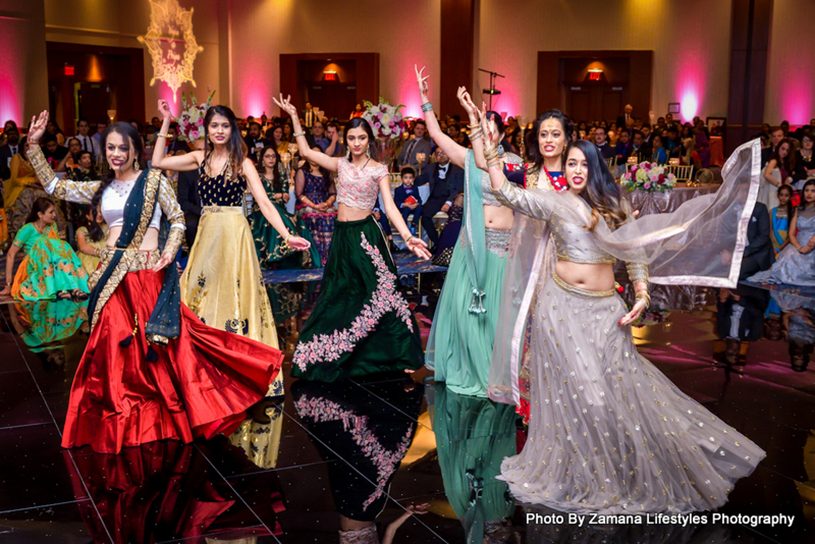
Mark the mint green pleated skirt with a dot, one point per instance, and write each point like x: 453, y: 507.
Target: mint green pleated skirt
x: 460, y: 346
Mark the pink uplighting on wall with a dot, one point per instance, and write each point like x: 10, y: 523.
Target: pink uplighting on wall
x: 257, y: 98
x: 796, y: 99
x: 9, y: 100
x: 691, y: 84
x: 689, y: 106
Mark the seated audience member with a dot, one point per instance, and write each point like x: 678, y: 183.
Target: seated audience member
x: 776, y: 136
x: 54, y: 153
x: 445, y: 180
x: 84, y: 170
x: 318, y: 133
x: 659, y: 154
x: 406, y: 197
x: 419, y: 145
x: 672, y: 143
x: 8, y: 150
x: 69, y: 162
x: 804, y: 163
x: 336, y: 148
x: 600, y: 140
x: 639, y: 148
x: 254, y: 141
x: 623, y: 145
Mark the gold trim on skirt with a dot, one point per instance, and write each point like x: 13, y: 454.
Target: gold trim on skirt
x: 222, y: 282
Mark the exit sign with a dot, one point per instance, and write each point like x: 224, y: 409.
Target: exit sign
x: 594, y: 76
x: 69, y: 70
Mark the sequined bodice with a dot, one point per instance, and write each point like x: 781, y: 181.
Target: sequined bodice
x: 356, y: 187
x: 575, y: 244
x: 806, y: 228
x: 219, y: 191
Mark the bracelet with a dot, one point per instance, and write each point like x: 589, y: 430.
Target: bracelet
x: 408, y: 239
x: 298, y: 134
x: 160, y: 135
x: 645, y: 297
x: 475, y: 126
x: 475, y: 133
x: 427, y: 106
x: 491, y: 164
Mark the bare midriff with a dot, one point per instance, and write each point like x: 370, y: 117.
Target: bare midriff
x: 149, y: 243
x: 591, y: 277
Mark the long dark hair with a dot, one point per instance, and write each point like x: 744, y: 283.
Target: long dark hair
x: 40, y: 205
x: 500, y: 127
x: 95, y: 232
x: 789, y: 205
x: 602, y: 192
x: 130, y: 134
x: 803, y: 204
x: 277, y: 181
x: 566, y: 123
x: 788, y: 162
x: 357, y: 122
x: 235, y: 146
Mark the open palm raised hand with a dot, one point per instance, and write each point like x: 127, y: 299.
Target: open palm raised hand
x: 37, y: 129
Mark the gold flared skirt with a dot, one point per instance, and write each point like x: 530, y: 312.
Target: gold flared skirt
x: 222, y: 283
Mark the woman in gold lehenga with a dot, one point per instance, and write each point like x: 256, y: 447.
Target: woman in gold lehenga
x: 221, y: 283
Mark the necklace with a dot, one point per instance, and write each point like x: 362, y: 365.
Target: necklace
x: 40, y: 228
x: 558, y: 183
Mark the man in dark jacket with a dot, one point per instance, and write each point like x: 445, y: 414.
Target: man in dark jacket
x: 445, y: 180
x: 741, y: 311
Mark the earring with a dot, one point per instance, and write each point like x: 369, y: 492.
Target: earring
x: 368, y: 151
x: 348, y: 155
x: 136, y: 165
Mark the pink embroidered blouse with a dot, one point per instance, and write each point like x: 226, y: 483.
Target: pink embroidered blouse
x: 359, y: 188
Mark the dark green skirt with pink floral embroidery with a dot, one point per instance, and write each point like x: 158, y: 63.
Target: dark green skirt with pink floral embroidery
x: 362, y: 323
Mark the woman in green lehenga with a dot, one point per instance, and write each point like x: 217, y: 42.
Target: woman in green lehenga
x: 286, y: 299
x: 273, y: 253
x: 459, y: 349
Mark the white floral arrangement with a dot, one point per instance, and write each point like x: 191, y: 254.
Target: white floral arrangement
x: 191, y: 120
x: 649, y: 177
x: 386, y: 120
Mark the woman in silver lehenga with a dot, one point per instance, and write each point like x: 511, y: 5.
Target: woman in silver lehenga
x: 608, y: 432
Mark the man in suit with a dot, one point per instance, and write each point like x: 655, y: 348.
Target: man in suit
x: 639, y: 148
x: 626, y: 119
x: 741, y: 311
x: 188, y: 198
x: 417, y: 145
x: 254, y: 141
x: 87, y: 143
x: 603, y: 146
x: 776, y: 136
x: 318, y: 133
x: 309, y: 116
x: 8, y: 150
x: 100, y: 128
x: 445, y: 180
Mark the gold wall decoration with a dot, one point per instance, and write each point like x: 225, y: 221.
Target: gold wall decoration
x: 170, y: 30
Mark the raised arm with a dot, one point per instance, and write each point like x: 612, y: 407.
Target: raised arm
x: 457, y: 153
x: 329, y: 163
x: 267, y: 208
x: 184, y: 163
x: 505, y: 192
x: 63, y: 189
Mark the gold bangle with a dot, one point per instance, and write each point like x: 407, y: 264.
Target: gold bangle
x: 160, y: 135
x: 645, y: 297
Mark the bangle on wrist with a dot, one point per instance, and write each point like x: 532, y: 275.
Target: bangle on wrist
x: 427, y: 106
x: 301, y: 133
x: 160, y: 135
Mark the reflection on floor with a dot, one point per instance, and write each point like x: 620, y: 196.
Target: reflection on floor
x: 366, y: 450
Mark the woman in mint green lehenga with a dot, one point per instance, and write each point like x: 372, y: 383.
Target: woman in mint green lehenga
x: 461, y: 339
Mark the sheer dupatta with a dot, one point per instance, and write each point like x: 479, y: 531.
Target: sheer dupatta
x: 701, y: 243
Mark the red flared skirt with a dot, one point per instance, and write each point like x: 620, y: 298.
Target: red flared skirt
x: 200, y: 386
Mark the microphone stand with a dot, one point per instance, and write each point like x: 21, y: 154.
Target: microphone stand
x: 493, y: 75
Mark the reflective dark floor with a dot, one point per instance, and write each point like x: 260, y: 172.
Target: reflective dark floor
x: 369, y: 449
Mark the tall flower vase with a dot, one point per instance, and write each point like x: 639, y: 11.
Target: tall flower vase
x: 384, y: 153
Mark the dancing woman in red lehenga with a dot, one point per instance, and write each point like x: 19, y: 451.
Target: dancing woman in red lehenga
x: 151, y: 370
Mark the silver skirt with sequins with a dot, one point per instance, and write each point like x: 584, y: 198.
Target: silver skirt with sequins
x: 608, y: 432
x: 498, y: 241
